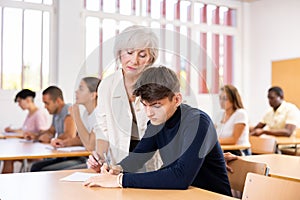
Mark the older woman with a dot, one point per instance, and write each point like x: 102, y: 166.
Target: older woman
x: 232, y: 125
x: 121, y: 118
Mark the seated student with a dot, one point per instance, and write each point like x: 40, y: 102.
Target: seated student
x: 63, y: 127
x: 232, y: 124
x: 281, y: 119
x: 35, y: 122
x: 185, y: 137
x: 86, y: 95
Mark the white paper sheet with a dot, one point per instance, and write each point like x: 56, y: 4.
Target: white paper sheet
x: 11, y: 134
x: 26, y: 141
x: 68, y: 149
x: 79, y: 177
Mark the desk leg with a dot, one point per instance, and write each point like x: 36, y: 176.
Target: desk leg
x: 24, y: 167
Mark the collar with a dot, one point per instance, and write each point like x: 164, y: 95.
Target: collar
x: 174, y: 119
x: 281, y: 107
x: 62, y: 112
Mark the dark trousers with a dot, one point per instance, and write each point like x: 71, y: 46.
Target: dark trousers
x: 53, y: 164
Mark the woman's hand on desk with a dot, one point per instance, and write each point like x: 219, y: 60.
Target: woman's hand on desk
x: 56, y: 142
x: 29, y: 136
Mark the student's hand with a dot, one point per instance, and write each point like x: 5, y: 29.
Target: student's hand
x: 257, y: 132
x: 229, y: 157
x: 8, y: 129
x: 112, y: 169
x: 29, y: 136
x: 45, y: 138
x: 56, y: 142
x: 103, y: 180
x: 74, y: 109
x: 94, y: 162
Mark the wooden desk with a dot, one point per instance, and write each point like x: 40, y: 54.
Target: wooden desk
x: 282, y: 166
x: 287, y: 140
x: 13, y: 149
x: 10, y: 135
x: 234, y: 147
x: 46, y: 186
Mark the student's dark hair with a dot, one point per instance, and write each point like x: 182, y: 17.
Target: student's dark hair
x: 23, y: 94
x: 54, y: 93
x: 92, y: 83
x: 233, y: 96
x: 277, y: 90
x: 156, y: 83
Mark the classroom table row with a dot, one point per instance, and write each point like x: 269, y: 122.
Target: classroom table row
x: 19, y: 149
x: 292, y: 140
x: 47, y: 185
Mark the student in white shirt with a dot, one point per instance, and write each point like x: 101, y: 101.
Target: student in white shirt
x: 281, y: 119
x: 232, y: 124
x: 86, y: 95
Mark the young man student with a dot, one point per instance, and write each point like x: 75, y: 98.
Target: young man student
x: 62, y: 127
x: 185, y: 137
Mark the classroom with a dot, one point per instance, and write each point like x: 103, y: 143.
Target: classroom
x: 217, y: 48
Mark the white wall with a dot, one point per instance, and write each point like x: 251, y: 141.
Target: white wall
x: 271, y: 32
x: 70, y: 45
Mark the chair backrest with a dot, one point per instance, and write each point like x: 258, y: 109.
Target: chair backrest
x: 297, y: 134
x: 262, y: 145
x: 240, y: 169
x: 264, y: 187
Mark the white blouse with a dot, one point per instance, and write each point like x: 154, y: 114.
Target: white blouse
x: 225, y: 130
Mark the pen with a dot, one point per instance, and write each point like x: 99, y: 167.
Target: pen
x: 107, y: 159
x: 98, y: 160
x: 55, y: 135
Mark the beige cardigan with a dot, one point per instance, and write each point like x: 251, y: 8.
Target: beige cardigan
x: 114, y: 117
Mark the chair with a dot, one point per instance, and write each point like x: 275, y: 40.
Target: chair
x: 240, y: 169
x: 262, y: 145
x: 264, y: 187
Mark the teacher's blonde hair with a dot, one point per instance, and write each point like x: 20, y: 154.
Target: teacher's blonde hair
x: 137, y: 37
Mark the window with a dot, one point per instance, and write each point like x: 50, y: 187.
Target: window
x: 25, y: 43
x: 202, y: 54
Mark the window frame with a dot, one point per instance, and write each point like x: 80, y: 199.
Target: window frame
x: 235, y: 31
x: 51, y: 9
